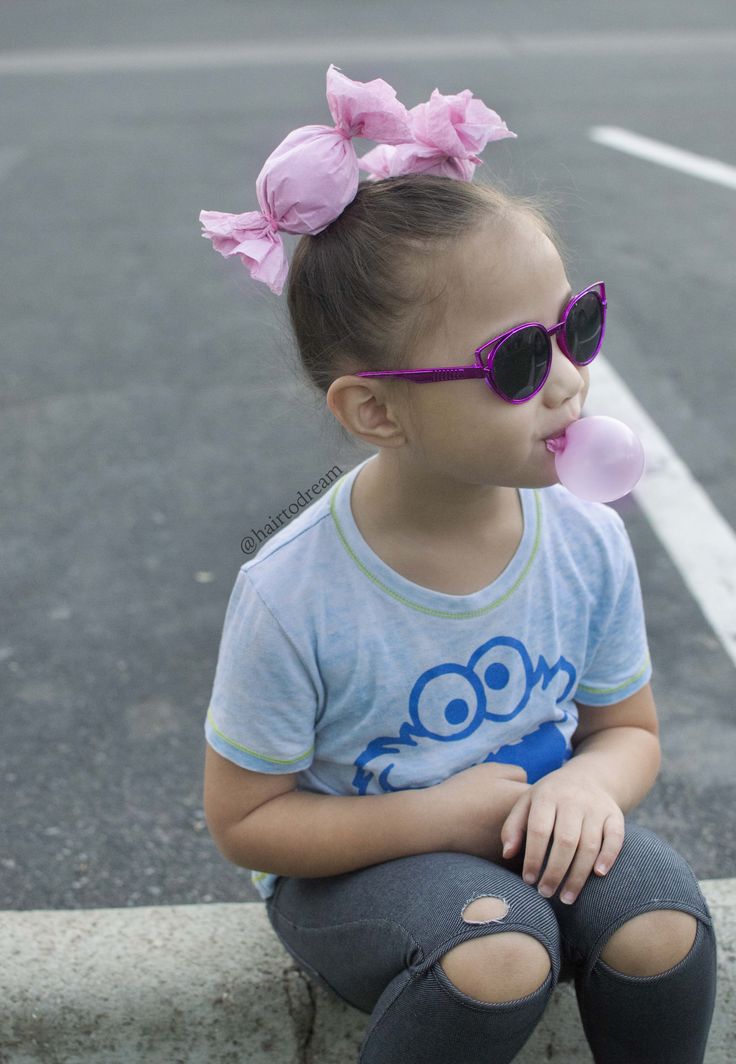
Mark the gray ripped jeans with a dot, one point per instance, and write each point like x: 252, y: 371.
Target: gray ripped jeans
x: 375, y: 936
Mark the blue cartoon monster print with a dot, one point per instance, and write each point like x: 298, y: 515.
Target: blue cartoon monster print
x: 450, y: 703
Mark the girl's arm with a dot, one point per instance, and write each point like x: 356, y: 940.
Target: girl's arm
x: 618, y: 747
x: 625, y: 761
x: 301, y: 833
x: 307, y: 834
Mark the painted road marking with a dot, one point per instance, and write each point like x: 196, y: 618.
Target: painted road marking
x: 698, y: 539
x: 279, y: 53
x: 655, y: 151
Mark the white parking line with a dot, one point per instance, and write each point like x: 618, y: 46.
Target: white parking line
x: 698, y: 539
x: 338, y: 51
x: 655, y: 151
x: 700, y: 542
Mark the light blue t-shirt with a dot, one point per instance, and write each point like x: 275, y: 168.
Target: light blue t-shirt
x: 335, y: 666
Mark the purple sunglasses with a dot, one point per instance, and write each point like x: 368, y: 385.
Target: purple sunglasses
x: 518, y: 361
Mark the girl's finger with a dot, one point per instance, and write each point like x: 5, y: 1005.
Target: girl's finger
x: 512, y: 830
x: 587, y: 852
x: 613, y: 840
x: 538, y: 833
x: 565, y: 846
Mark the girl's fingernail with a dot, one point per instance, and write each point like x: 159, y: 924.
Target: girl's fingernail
x: 567, y: 897
x: 506, y: 849
x: 601, y: 868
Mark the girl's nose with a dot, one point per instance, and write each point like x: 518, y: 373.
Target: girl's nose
x: 565, y: 380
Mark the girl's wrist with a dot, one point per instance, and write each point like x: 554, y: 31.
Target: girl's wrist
x: 476, y: 829
x: 434, y: 813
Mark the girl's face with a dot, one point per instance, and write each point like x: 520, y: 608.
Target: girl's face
x: 498, y: 277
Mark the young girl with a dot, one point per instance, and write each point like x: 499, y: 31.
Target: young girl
x: 446, y: 651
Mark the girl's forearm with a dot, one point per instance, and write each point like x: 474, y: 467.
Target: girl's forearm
x: 307, y: 834
x: 625, y: 761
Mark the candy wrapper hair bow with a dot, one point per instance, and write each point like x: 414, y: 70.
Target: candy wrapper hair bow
x: 309, y: 179
x: 448, y: 132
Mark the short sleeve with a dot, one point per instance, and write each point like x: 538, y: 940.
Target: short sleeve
x: 264, y: 701
x: 619, y: 663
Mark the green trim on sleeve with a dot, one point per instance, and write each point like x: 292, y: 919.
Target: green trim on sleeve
x: 618, y: 687
x: 254, y: 753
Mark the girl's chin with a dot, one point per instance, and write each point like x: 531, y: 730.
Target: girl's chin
x: 548, y: 475
x: 543, y: 479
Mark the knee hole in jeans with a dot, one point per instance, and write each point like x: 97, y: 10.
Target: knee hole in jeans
x: 484, y: 909
x: 499, y: 967
x: 651, y: 942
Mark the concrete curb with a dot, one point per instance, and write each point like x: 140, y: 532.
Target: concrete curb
x: 212, y: 984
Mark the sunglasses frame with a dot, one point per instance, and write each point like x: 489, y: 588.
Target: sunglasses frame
x: 489, y: 348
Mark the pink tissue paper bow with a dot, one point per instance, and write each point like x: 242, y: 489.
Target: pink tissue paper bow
x: 447, y: 134
x: 309, y: 179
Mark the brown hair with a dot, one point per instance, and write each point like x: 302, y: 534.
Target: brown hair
x: 356, y: 299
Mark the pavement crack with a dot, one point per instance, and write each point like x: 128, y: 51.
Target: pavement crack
x: 307, y: 1048
x: 302, y: 1010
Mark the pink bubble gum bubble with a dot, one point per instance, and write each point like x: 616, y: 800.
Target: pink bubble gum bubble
x: 599, y: 458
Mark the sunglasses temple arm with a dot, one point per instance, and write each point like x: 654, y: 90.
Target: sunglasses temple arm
x: 425, y: 376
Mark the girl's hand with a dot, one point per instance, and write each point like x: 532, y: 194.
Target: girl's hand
x: 470, y: 807
x: 588, y: 830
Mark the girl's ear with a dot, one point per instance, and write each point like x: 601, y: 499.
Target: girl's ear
x: 366, y: 411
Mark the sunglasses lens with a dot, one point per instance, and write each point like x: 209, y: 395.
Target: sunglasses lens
x: 584, y: 328
x: 521, y: 363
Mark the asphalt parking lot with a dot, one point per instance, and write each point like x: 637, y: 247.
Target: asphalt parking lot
x: 151, y: 412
